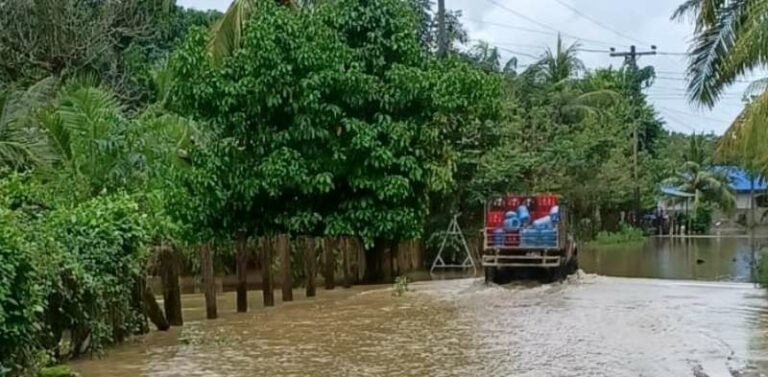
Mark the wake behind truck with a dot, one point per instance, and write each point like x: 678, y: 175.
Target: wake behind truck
x: 527, y: 235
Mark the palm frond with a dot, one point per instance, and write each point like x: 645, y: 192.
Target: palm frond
x: 731, y: 38
x: 746, y: 140
x: 226, y: 34
x: 22, y: 142
x: 756, y: 87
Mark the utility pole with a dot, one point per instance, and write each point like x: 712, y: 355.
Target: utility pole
x: 630, y: 59
x: 442, y: 37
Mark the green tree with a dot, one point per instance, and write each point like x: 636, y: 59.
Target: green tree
x: 349, y: 142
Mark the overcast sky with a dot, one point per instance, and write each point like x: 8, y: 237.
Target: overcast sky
x: 525, y: 28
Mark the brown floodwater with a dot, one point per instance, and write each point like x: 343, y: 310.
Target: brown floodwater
x: 710, y: 259
x: 588, y: 325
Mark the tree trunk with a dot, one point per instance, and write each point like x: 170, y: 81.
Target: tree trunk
x: 169, y: 275
x: 137, y: 304
x: 310, y: 266
x: 345, y: 251
x: 373, y: 258
x: 152, y: 310
x: 242, y: 258
x: 206, y: 265
x: 266, y: 272
x: 329, y: 262
x: 286, y: 278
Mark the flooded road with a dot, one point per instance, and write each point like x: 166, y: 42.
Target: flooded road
x: 587, y: 326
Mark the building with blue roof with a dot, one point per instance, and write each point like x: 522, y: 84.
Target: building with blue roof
x: 741, y: 184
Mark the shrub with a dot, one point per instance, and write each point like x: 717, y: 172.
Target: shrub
x: 762, y: 270
x: 21, y: 299
x: 625, y: 234
x: 93, y: 275
x: 72, y: 268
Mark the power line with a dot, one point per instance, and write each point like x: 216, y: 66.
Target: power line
x: 668, y: 118
x: 677, y: 121
x: 541, y: 24
x: 695, y: 115
x: 686, y: 80
x: 516, y: 13
x: 593, y: 50
x: 599, y: 23
x: 541, y: 47
x: 536, y: 31
x: 518, y: 52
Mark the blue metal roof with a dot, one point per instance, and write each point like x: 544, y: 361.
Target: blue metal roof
x: 671, y: 191
x: 740, y: 180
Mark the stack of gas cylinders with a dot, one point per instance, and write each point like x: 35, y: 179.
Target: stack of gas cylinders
x: 528, y: 222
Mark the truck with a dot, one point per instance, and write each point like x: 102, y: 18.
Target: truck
x: 527, y: 236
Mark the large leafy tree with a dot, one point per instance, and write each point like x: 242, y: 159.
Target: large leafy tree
x: 328, y: 122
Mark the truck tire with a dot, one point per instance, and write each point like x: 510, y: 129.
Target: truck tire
x: 573, y: 264
x: 558, y: 273
x: 490, y: 275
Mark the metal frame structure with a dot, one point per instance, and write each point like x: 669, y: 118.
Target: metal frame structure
x: 454, y: 230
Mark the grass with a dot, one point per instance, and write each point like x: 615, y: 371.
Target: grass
x: 762, y: 272
x: 400, y: 286
x: 58, y: 371
x: 625, y: 234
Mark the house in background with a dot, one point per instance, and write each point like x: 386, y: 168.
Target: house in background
x: 741, y: 186
x: 674, y: 201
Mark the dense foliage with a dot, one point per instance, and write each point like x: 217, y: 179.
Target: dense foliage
x: 139, y: 125
x: 348, y: 134
x: 72, y: 268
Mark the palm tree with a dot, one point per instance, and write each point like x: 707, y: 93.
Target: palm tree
x: 696, y: 152
x: 23, y: 144
x: 729, y: 41
x: 558, y: 69
x: 485, y: 56
x: 706, y: 186
x: 561, y: 64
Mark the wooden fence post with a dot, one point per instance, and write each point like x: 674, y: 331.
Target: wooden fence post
x: 152, y: 309
x: 286, y: 278
x: 169, y: 276
x: 241, y: 261
x: 266, y: 272
x: 329, y: 262
x: 206, y: 265
x: 345, y: 264
x: 310, y: 265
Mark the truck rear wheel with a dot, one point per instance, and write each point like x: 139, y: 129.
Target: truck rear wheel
x: 573, y: 266
x: 558, y: 273
x: 490, y: 275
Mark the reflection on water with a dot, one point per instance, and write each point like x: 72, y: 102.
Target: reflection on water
x: 718, y: 259
x: 587, y: 326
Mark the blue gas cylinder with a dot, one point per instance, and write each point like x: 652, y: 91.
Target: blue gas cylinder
x: 512, y: 223
x: 498, y: 237
x: 554, y: 214
x: 543, y: 223
x: 523, y: 214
